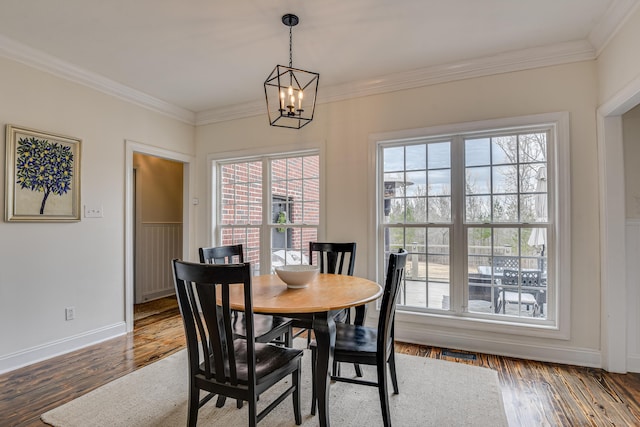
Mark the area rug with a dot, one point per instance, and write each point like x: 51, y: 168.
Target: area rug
x: 432, y: 393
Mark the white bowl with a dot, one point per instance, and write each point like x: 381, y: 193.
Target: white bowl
x: 297, y: 276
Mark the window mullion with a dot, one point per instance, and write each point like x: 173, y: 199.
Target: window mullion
x: 459, y: 241
x: 265, y: 228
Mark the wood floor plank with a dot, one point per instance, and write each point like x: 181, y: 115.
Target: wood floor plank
x: 535, y: 394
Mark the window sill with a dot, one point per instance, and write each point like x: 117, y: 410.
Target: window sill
x: 466, y: 322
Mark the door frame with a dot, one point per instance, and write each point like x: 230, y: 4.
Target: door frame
x: 614, y: 312
x: 188, y: 183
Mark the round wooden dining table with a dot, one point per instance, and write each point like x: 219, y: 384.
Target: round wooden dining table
x: 316, y: 304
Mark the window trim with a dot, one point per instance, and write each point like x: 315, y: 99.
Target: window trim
x: 275, y: 152
x: 559, y: 200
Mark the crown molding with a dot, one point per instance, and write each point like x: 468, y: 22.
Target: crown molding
x: 502, y: 63
x: 13, y: 50
x: 614, y: 18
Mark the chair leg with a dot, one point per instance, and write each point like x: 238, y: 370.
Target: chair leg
x: 221, y: 401
x: 253, y: 412
x: 358, y: 370
x: 194, y: 404
x: 392, y: 370
x: 336, y: 368
x: 382, y: 391
x: 295, y: 379
x: 314, y: 399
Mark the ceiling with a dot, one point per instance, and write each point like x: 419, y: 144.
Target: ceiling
x: 193, y: 58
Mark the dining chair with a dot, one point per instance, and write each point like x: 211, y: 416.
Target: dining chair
x: 331, y: 258
x: 371, y: 346
x: 219, y: 362
x: 527, y: 280
x: 266, y: 328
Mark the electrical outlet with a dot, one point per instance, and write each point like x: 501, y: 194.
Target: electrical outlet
x: 93, y: 211
x: 70, y: 313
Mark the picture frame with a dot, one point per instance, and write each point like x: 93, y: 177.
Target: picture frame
x: 42, y: 176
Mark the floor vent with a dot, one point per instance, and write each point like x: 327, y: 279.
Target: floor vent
x: 458, y: 355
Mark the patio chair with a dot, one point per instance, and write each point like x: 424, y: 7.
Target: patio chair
x: 371, y: 346
x: 525, y: 280
x: 219, y: 362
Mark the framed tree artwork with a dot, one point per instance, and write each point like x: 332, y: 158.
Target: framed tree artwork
x: 43, y: 176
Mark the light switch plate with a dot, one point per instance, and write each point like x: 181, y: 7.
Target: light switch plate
x: 93, y: 211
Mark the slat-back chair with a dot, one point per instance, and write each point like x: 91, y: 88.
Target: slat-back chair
x: 267, y: 328
x: 371, y: 346
x: 219, y: 362
x: 331, y: 258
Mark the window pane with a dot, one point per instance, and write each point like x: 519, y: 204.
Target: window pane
x: 478, y: 180
x: 416, y: 183
x: 440, y: 155
x: 394, y: 184
x: 533, y: 147
x: 416, y: 210
x: 416, y: 157
x: 311, y: 213
x: 505, y: 209
x: 394, y: 239
x: 504, y: 149
x: 506, y: 241
x: 439, y: 209
x: 393, y: 159
x: 440, y: 182
x: 311, y: 190
x: 394, y: 210
x: 478, y: 209
x: 477, y: 152
x: 278, y: 170
x: 505, y: 179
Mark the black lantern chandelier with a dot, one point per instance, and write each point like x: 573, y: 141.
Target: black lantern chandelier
x: 291, y: 92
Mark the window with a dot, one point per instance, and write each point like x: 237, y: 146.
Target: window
x: 475, y: 211
x: 270, y: 205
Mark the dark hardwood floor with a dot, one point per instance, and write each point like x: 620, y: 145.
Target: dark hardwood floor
x: 534, y: 393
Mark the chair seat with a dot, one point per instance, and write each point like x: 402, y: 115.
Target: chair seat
x: 524, y: 298
x: 269, y: 360
x: 355, y: 339
x: 265, y: 327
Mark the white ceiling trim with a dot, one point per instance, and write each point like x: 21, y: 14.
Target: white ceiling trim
x: 42, y: 61
x: 478, y: 67
x: 503, y: 63
x: 614, y: 18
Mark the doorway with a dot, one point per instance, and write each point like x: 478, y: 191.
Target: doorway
x: 158, y: 229
x: 180, y: 204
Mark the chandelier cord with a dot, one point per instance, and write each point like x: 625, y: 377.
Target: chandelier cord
x: 290, y: 47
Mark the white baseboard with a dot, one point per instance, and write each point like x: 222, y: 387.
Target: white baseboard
x: 503, y: 346
x: 633, y: 363
x: 56, y: 348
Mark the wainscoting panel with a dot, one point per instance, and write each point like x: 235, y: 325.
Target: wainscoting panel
x: 156, y: 245
x: 633, y: 294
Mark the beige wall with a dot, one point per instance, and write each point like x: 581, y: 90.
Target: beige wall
x: 631, y: 138
x: 46, y: 267
x: 342, y: 129
x: 160, y: 184
x: 82, y: 264
x: 619, y: 62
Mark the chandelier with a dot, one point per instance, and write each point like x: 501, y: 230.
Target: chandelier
x: 291, y: 92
